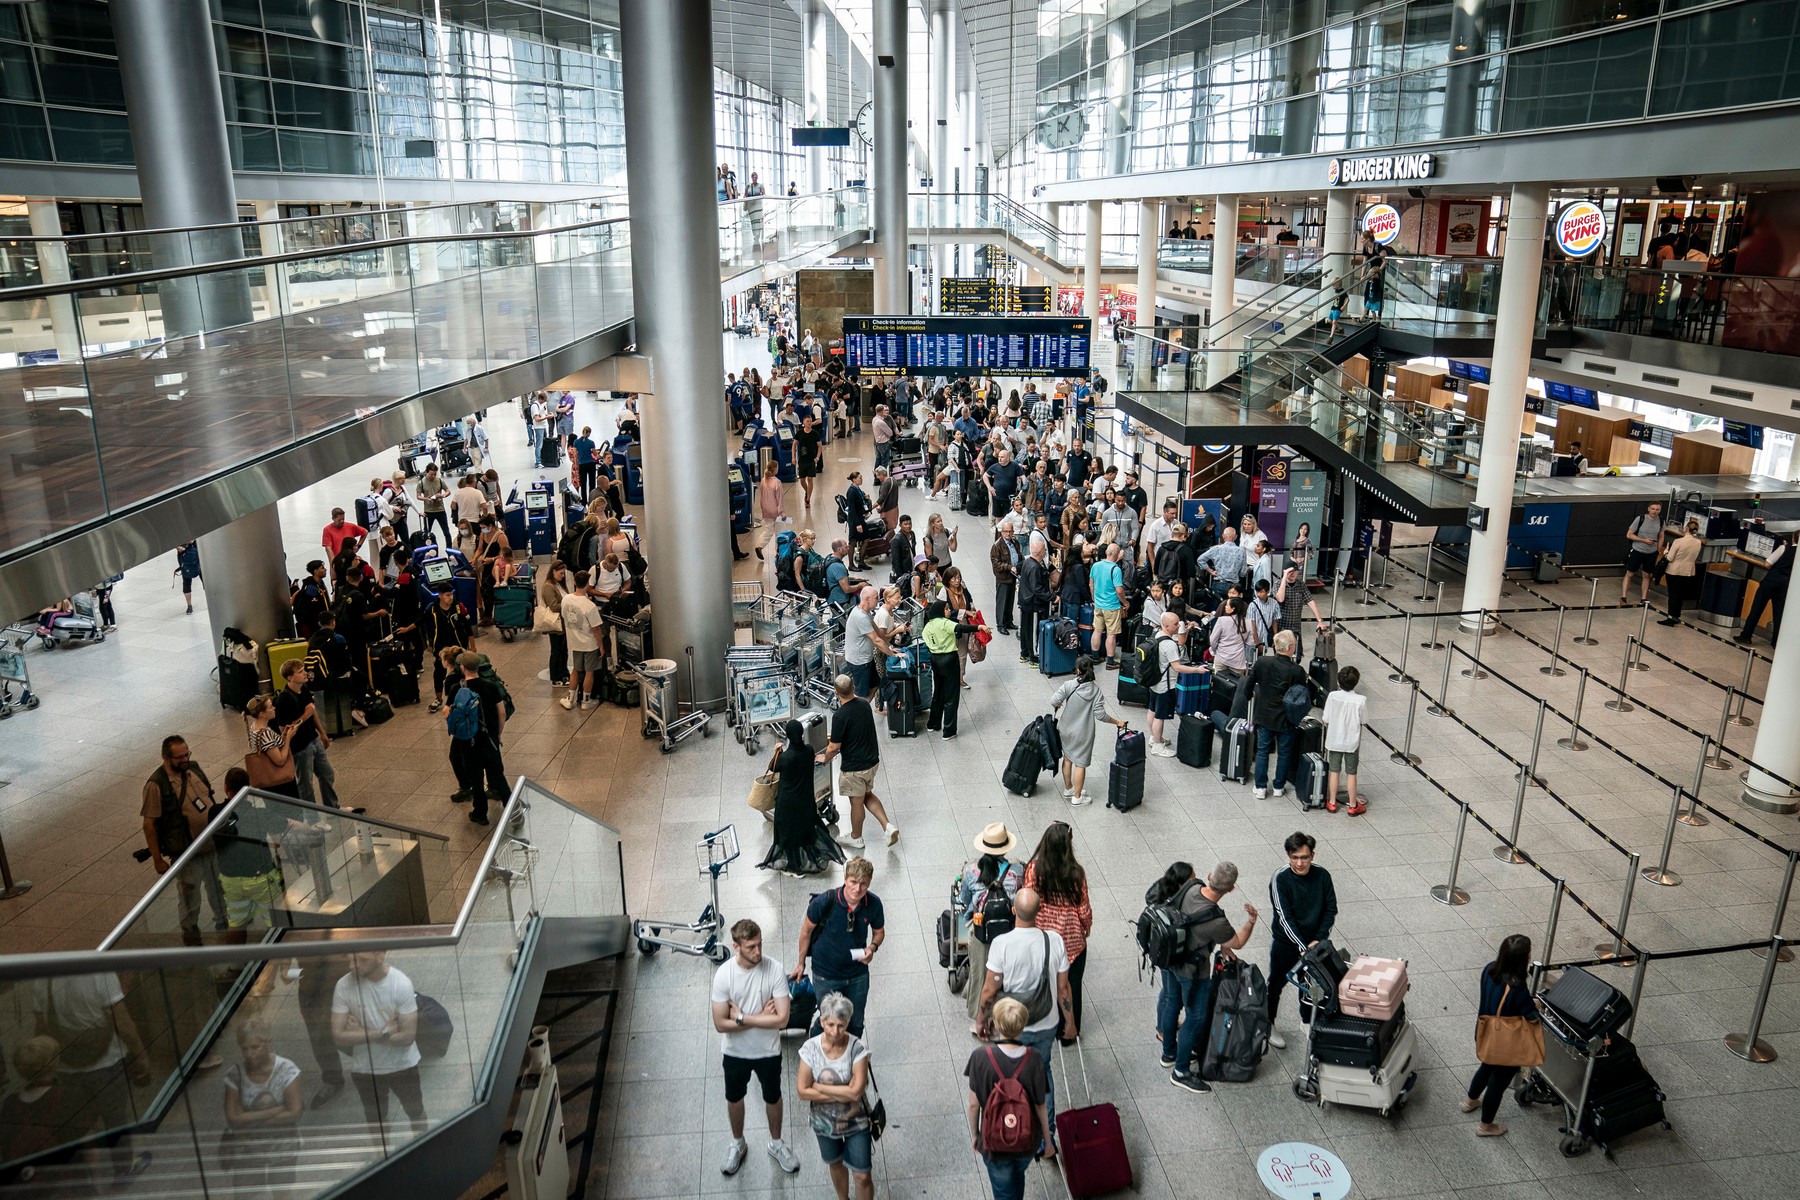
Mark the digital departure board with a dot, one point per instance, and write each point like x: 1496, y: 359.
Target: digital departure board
x: 968, y: 345
x: 972, y: 296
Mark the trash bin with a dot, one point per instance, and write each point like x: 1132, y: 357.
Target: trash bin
x: 1549, y: 567
x: 658, y: 697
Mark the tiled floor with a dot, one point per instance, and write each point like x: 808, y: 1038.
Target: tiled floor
x: 69, y: 819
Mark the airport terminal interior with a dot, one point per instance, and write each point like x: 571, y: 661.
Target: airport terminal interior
x: 500, y: 495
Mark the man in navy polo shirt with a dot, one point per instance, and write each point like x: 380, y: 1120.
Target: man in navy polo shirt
x: 842, y: 931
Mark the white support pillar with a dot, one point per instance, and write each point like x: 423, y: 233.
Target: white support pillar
x: 1149, y: 241
x: 968, y: 113
x: 1224, y: 262
x: 893, y: 288
x: 1516, y: 315
x: 815, y: 68
x: 941, y: 112
x: 53, y: 267
x: 1090, y: 278
x: 1340, y: 233
x: 1777, y: 749
x: 271, y: 238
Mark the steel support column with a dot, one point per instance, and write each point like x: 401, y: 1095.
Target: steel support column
x: 893, y: 289
x: 815, y: 69
x: 1090, y: 276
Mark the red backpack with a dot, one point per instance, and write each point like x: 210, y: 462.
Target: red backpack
x: 1006, y: 1124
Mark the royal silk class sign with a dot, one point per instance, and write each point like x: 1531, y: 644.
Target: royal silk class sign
x: 1380, y: 168
x: 1382, y: 222
x: 1580, y: 228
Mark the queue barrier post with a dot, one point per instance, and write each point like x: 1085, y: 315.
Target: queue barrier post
x: 1748, y: 1045
x: 1614, y: 950
x: 1425, y: 587
x: 1508, y: 851
x: 1660, y: 874
x: 1556, y: 646
x: 1587, y: 632
x: 1620, y: 704
x: 1637, y: 992
x: 1738, y: 718
x: 1550, y: 924
x: 1447, y: 892
x: 1781, y: 903
x: 1532, y: 778
x: 1442, y: 707
x: 1573, y: 742
x: 1399, y: 676
x: 1437, y: 613
x: 1412, y: 714
x: 1473, y: 670
x: 1717, y: 760
x: 1638, y: 663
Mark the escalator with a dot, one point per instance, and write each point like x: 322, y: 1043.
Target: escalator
x: 491, y: 941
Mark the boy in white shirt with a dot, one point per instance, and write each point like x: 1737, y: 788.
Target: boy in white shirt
x: 1343, y: 738
x: 749, y: 1010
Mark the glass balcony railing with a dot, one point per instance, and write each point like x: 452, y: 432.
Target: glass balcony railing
x: 185, y: 1061
x: 1740, y: 312
x: 106, y: 408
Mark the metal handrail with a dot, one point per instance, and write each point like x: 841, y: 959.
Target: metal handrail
x: 27, y: 967
x: 1297, y: 293
x: 158, y: 274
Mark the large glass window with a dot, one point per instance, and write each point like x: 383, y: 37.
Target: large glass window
x: 1745, y: 54
x: 1580, y: 82
x: 1540, y: 20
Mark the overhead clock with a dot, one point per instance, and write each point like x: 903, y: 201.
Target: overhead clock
x: 1063, y: 126
x: 865, y: 123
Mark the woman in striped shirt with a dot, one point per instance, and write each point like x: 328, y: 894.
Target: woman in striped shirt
x: 1061, y: 885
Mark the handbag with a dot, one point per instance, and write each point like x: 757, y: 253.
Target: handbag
x: 762, y: 793
x: 873, y: 1107
x: 545, y: 620
x: 264, y: 773
x: 1508, y: 1041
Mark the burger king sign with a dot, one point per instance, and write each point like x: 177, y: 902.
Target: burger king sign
x: 1580, y: 229
x: 1382, y: 222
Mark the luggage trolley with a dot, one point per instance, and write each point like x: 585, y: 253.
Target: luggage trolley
x: 715, y: 852
x: 15, y: 676
x: 662, y: 711
x: 746, y: 599
x: 1567, y: 1078
x: 906, y: 462
x: 762, y: 694
x: 1385, y: 1087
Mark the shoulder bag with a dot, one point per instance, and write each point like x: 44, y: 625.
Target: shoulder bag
x: 265, y: 773
x: 1508, y: 1041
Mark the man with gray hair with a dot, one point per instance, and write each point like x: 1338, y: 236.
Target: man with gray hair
x: 853, y: 736
x: 1187, y: 985
x: 862, y: 640
x: 1267, y: 684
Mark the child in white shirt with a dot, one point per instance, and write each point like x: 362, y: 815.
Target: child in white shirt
x: 1343, y: 738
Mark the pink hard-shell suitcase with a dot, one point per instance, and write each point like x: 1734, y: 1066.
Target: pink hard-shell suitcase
x: 1373, y: 988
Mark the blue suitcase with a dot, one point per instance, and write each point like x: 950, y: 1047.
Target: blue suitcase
x: 1191, y: 693
x: 1053, y: 660
x: 1084, y: 623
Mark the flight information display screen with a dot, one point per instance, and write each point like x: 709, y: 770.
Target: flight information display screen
x: 968, y: 345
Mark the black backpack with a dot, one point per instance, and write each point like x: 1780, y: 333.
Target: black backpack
x: 815, y: 578
x: 995, y: 915
x: 1146, y: 662
x: 568, y: 550
x: 1162, y: 931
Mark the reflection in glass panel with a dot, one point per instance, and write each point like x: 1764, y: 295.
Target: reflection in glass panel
x: 1419, y: 116
x: 1745, y: 54
x: 90, y: 137
x: 81, y: 80
x: 1572, y: 83
x: 1428, y: 32
x: 1539, y: 20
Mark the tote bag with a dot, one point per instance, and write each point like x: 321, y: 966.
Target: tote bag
x: 1509, y: 1041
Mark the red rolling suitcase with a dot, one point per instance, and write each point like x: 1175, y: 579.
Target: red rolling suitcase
x: 1090, y: 1142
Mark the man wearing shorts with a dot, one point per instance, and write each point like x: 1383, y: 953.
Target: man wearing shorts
x: 750, y: 1009
x: 1107, y: 581
x: 853, y: 736
x: 862, y: 642
x: 1641, y: 541
x: 581, y: 625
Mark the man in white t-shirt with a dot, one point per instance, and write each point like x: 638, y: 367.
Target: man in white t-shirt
x: 581, y: 618
x: 1016, y: 964
x: 750, y: 1009
x: 102, y: 1054
x: 467, y: 504
x: 375, y: 1023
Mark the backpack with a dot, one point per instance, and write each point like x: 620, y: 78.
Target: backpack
x: 1146, y: 660
x: 1162, y: 932
x: 568, y: 551
x: 1297, y: 701
x: 1006, y: 1114
x: 1238, y: 1034
x: 435, y: 1026
x: 994, y: 915
x: 464, y: 718
x: 487, y: 672
x: 1040, y: 1001
x: 843, y: 510
x: 815, y: 577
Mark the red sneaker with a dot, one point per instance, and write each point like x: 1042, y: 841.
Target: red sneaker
x: 1331, y: 805
x: 1357, y: 810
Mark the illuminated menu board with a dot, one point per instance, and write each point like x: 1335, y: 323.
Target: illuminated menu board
x: 968, y: 345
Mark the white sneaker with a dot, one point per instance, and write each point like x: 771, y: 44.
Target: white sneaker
x: 784, y: 1158
x: 851, y: 843
x: 1081, y: 798
x: 567, y: 702
x: 893, y: 834
x: 1260, y: 793
x: 590, y: 704
x: 734, y: 1157
x: 1162, y: 749
x: 1277, y: 1041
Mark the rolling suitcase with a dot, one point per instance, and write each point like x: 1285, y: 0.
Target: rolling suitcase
x: 1222, y: 691
x: 903, y: 706
x: 1383, y: 1088
x: 1133, y: 693
x: 1373, y: 988
x: 1356, y: 1042
x: 1309, y: 781
x: 1125, y: 785
x: 1312, y: 736
x: 1237, y: 1032
x: 1092, y: 1141
x: 1236, y: 754
x: 1025, y: 764
x: 280, y: 652
x: 237, y: 683
x: 1053, y: 660
x: 1190, y: 693
x: 1622, y: 1095
x: 1194, y: 740
x: 1592, y: 1007
x: 1322, y: 672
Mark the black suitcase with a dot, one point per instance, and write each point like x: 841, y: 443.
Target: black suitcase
x: 975, y: 498
x: 903, y: 706
x: 1312, y: 736
x: 392, y: 675
x: 1588, y: 1004
x: 1323, y: 673
x: 1125, y: 786
x: 1354, y: 1041
x: 1236, y: 755
x: 237, y: 683
x: 1309, y: 781
x: 1194, y: 740
x: 1222, y: 691
x: 549, y: 453
x: 1624, y: 1110
x: 1134, y: 694
x: 1025, y: 764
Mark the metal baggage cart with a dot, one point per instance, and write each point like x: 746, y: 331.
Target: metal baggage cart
x: 715, y: 852
x: 761, y: 699
x: 1566, y: 1077
x: 663, y: 718
x: 746, y: 599
x: 15, y: 675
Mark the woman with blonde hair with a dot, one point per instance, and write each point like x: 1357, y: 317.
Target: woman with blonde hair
x: 270, y: 760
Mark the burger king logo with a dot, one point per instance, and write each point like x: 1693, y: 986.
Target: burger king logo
x: 1580, y: 228
x: 1382, y: 222
x: 1333, y: 170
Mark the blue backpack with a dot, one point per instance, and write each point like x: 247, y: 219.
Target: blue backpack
x: 464, y: 718
x: 1297, y: 701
